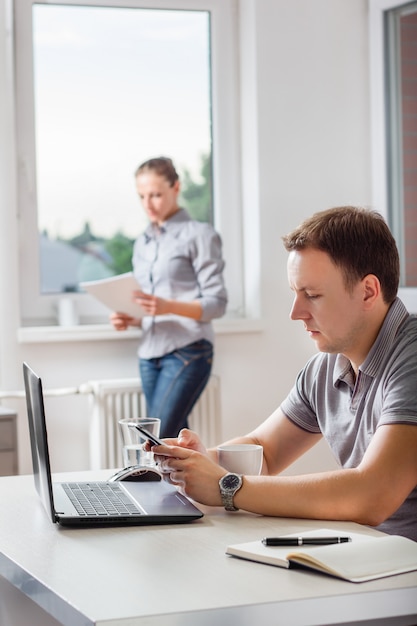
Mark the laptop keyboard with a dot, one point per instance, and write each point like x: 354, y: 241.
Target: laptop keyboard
x: 100, y: 499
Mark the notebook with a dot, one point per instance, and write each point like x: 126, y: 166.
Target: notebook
x: 147, y: 502
x: 363, y: 558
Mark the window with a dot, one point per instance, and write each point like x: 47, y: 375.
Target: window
x: 393, y: 29
x: 101, y: 88
x: 401, y: 72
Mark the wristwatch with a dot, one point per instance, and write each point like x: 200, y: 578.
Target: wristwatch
x: 229, y: 484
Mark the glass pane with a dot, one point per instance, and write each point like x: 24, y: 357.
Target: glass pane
x: 408, y: 64
x: 401, y: 46
x: 114, y: 87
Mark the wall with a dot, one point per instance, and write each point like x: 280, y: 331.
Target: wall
x: 305, y: 112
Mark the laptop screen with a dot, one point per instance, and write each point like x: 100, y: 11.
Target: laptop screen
x: 38, y: 438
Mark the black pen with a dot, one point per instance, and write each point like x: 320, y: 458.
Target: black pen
x: 303, y: 541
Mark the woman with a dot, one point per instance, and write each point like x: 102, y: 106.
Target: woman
x: 178, y: 264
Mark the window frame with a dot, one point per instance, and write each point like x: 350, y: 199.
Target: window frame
x: 40, y: 310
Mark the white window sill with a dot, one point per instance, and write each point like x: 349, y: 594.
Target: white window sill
x: 106, y: 332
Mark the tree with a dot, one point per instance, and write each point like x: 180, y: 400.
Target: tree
x: 197, y: 198
x: 120, y: 249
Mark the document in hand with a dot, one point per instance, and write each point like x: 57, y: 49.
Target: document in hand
x: 116, y: 293
x: 362, y: 559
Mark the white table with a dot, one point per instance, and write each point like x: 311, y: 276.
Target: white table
x: 175, y: 575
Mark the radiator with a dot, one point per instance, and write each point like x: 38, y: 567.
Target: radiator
x: 111, y: 400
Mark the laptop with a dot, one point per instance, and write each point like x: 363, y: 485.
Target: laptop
x: 97, y: 503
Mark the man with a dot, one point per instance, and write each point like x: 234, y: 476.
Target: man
x: 358, y: 392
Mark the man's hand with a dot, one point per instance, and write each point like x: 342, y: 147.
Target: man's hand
x: 189, y: 439
x: 193, y: 472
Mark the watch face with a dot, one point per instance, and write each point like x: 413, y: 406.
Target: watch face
x: 231, y: 481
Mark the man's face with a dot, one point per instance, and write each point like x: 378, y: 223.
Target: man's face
x: 333, y: 316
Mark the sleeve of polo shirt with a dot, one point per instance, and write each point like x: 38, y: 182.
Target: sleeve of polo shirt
x: 298, y: 405
x: 399, y: 388
x: 208, y: 265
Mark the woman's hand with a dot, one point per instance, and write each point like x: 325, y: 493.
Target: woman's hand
x: 122, y: 321
x: 152, y: 305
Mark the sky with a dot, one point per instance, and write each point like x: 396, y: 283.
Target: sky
x: 114, y: 87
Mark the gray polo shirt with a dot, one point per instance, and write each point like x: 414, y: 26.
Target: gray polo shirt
x: 326, y: 399
x: 182, y: 260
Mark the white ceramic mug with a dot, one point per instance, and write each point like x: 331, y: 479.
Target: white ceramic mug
x: 241, y: 458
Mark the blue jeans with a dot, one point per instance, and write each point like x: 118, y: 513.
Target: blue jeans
x: 173, y: 383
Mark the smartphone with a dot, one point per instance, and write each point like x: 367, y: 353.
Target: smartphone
x: 148, y: 435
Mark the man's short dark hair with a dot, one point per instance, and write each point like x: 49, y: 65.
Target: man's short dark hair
x: 357, y: 240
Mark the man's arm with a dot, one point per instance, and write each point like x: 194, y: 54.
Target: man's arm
x: 368, y: 494
x: 283, y: 442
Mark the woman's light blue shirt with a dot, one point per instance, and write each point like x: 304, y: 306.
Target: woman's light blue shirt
x: 180, y: 260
